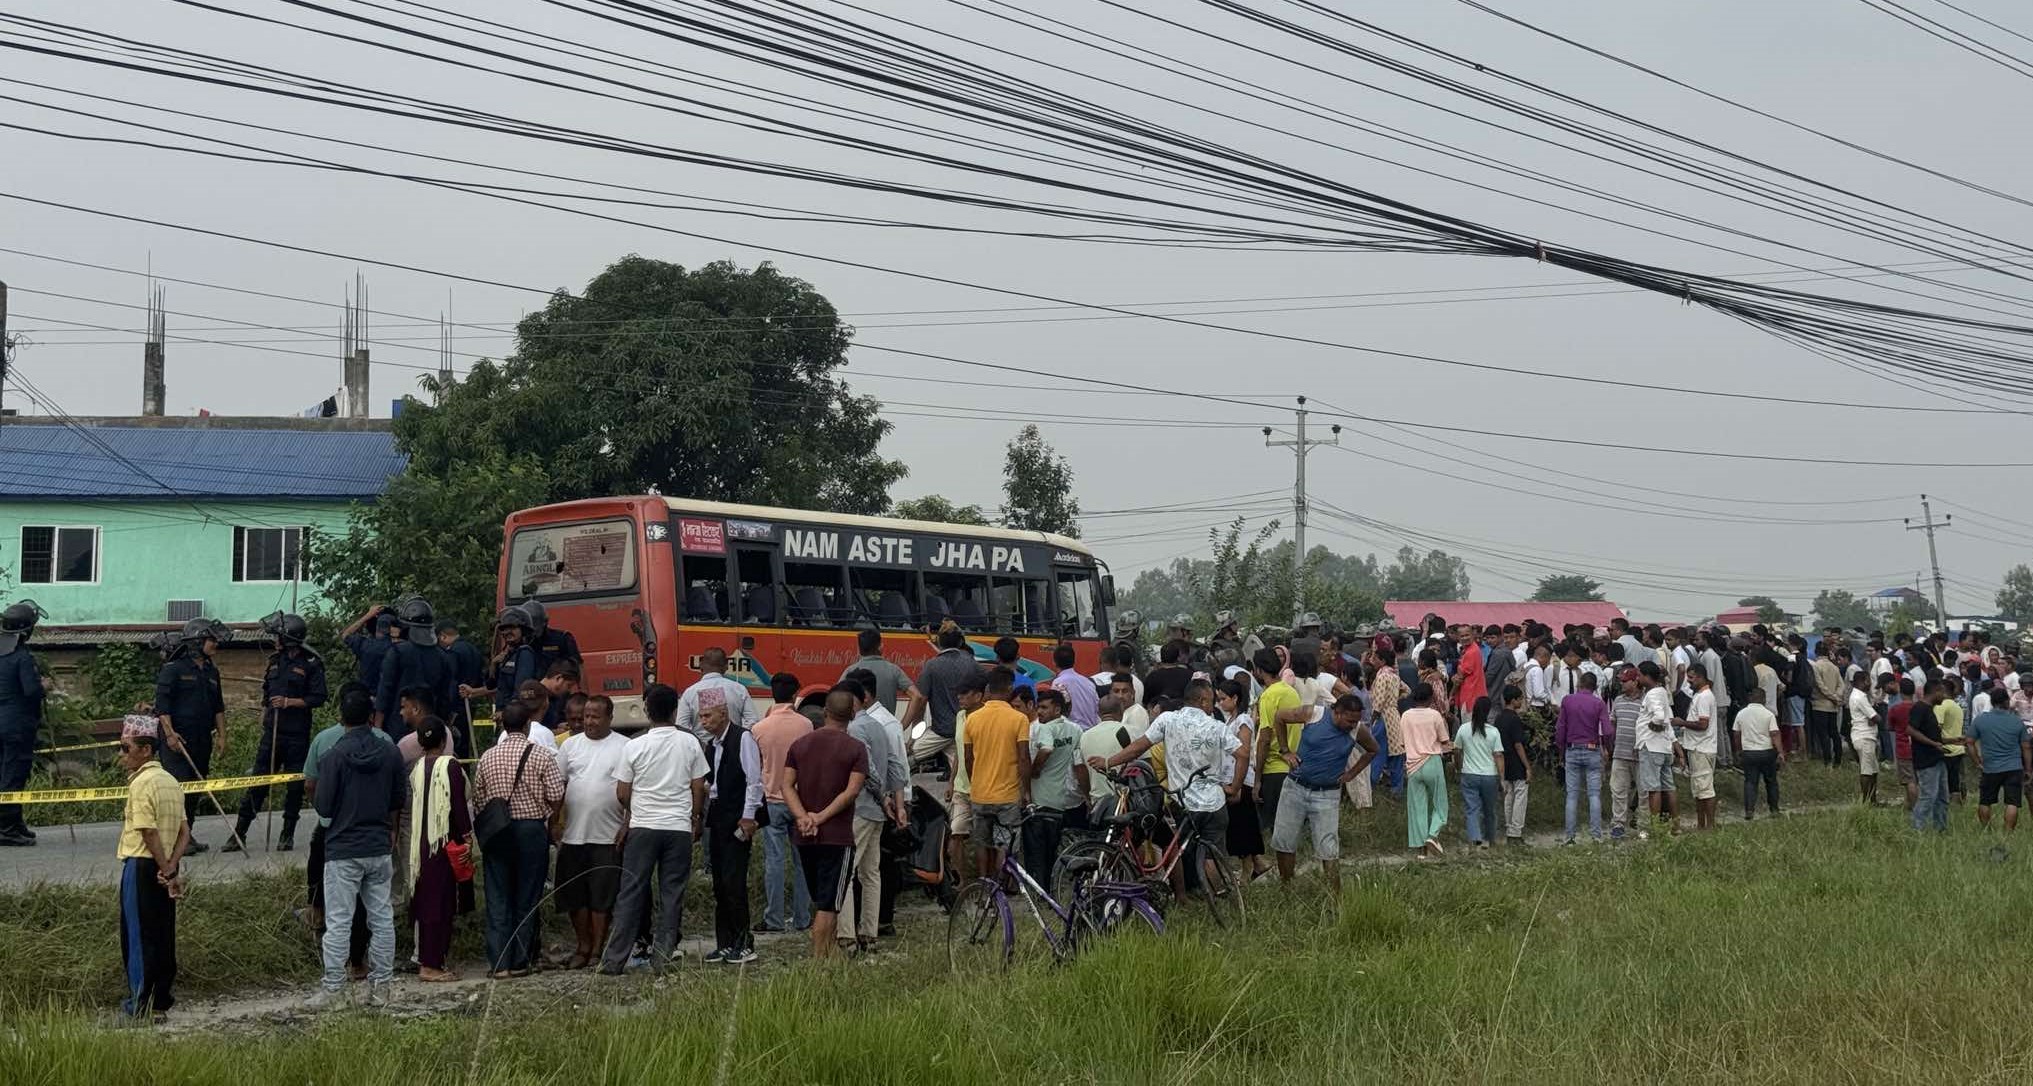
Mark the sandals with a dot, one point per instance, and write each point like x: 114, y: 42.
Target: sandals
x: 578, y: 961
x: 444, y: 976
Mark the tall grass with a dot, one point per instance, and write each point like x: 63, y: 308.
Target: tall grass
x: 1835, y: 947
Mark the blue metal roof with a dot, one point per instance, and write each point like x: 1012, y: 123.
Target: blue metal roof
x: 39, y: 462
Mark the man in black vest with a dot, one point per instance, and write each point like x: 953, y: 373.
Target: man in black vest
x: 733, y: 803
x: 415, y: 660
x: 191, y: 712
x: 21, y: 698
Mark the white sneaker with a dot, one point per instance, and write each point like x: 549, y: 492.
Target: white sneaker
x: 380, y: 995
x: 1644, y: 835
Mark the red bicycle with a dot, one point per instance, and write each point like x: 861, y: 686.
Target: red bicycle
x: 1147, y: 838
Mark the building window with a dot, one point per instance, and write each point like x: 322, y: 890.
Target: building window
x: 59, y: 555
x: 269, y: 554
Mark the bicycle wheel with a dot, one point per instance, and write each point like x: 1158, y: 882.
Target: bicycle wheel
x: 980, y: 938
x: 1117, y: 916
x: 1088, y: 862
x: 1218, y: 883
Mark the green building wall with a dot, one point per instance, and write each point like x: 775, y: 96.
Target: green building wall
x: 151, y: 552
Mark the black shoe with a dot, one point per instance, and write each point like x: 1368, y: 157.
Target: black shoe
x: 768, y: 929
x: 233, y: 844
x: 17, y: 840
x: 197, y: 848
x: 287, y: 844
x: 886, y: 931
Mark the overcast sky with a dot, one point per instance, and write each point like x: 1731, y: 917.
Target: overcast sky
x: 1836, y: 65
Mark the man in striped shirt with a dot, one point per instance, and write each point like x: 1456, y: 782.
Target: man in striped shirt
x: 1623, y: 768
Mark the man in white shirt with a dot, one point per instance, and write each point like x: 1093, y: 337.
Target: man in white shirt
x: 1757, y: 729
x: 741, y: 709
x: 1538, y: 689
x: 1120, y: 660
x: 1863, y: 735
x: 588, y: 875
x: 1658, y: 750
x: 1698, y: 740
x: 661, y: 783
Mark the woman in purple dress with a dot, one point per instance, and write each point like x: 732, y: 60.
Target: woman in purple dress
x: 438, y: 817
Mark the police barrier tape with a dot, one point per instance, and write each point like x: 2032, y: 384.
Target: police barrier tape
x: 87, y: 795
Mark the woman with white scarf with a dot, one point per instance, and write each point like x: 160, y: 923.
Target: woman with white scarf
x: 439, y: 818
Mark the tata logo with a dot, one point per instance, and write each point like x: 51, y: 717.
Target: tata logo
x: 656, y: 532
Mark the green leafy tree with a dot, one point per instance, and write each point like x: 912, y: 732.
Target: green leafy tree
x: 437, y: 536
x: 718, y: 383
x: 2015, y: 599
x: 1435, y: 575
x: 1566, y: 588
x: 1768, y: 608
x: 1240, y: 577
x: 1161, y: 592
x: 938, y: 508
x: 1037, y: 486
x: 1840, y: 607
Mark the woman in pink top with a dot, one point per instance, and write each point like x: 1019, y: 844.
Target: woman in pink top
x: 1425, y: 732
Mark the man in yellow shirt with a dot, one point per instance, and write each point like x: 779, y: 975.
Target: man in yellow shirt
x: 153, y: 837
x: 997, y: 743
x: 1276, y: 738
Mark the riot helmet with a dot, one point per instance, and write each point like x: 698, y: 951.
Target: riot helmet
x: 17, y: 622
x: 287, y: 629
x: 539, y: 619
x: 418, y: 621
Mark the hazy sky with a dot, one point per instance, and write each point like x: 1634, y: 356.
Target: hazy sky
x: 1785, y: 530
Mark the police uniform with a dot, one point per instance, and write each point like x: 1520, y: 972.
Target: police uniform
x: 20, y: 723
x: 187, y: 692
x: 414, y: 663
x: 371, y: 649
x: 296, y: 672
x: 522, y: 664
x: 553, y: 645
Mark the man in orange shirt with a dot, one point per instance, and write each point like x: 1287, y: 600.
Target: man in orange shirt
x: 996, y: 746
x: 774, y: 734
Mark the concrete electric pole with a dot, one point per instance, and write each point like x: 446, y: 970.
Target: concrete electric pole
x: 1928, y: 524
x: 1300, y: 446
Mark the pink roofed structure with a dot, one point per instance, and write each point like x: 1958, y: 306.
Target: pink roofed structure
x: 1596, y: 613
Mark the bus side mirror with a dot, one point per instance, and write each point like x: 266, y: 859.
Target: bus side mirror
x: 1108, y: 590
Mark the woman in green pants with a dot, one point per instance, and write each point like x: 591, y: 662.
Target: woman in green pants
x: 1426, y: 744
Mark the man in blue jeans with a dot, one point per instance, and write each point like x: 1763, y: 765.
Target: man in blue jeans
x: 360, y: 788
x: 1930, y: 773
x: 774, y: 734
x: 1585, y: 727
x: 516, y: 860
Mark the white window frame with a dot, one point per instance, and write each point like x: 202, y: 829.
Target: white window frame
x: 245, y: 531
x: 56, y: 548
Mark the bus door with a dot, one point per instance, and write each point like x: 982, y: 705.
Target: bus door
x: 1080, y: 611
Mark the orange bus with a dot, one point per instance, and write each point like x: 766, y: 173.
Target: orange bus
x: 648, y: 583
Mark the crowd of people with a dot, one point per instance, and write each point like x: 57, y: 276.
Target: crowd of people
x: 1262, y: 746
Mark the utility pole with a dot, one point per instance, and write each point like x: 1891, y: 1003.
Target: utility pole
x: 1928, y: 524
x: 4, y: 346
x: 1300, y: 446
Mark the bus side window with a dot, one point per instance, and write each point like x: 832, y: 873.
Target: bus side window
x: 1018, y: 605
x: 960, y: 597
x: 1078, y: 616
x: 705, y: 592
x: 885, y: 597
x: 816, y: 595
x: 758, y: 585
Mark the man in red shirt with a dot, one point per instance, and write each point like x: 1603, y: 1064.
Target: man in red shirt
x: 1898, y: 717
x: 1468, y: 673
x: 823, y: 772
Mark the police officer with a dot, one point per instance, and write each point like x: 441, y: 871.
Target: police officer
x: 516, y: 661
x: 1306, y: 635
x: 191, y: 710
x: 1197, y: 657
x: 20, y: 715
x: 469, y: 671
x: 367, y: 639
x: 1225, y: 647
x: 415, y: 660
x: 1129, y: 630
x: 551, y: 645
x: 293, y: 686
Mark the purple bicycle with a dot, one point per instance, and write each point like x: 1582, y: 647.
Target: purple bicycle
x: 981, y: 930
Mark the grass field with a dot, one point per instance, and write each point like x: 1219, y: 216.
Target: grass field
x: 1836, y: 946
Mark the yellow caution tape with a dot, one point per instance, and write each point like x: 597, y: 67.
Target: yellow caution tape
x: 79, y: 746
x: 88, y: 795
